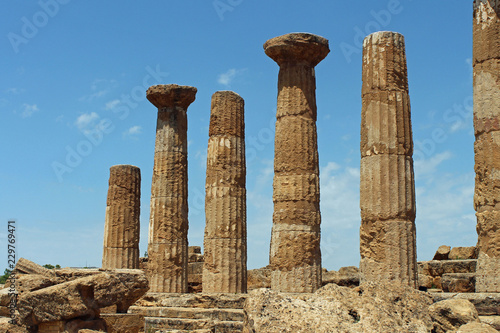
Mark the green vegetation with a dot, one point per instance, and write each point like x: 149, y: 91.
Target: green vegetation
x: 49, y: 266
x: 5, y: 276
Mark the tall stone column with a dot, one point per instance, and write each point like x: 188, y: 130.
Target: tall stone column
x: 486, y: 62
x: 122, y: 224
x: 387, y: 185
x: 168, y: 225
x: 225, y: 245
x: 295, y: 255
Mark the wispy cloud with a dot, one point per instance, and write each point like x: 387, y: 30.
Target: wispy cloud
x: 428, y: 167
x: 98, y: 88
x: 112, y: 104
x: 29, y: 110
x: 132, y: 131
x: 227, y: 78
x: 87, y: 121
x: 14, y: 91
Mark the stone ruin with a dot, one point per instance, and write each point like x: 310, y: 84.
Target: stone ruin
x: 295, y: 255
x: 388, y: 267
x: 387, y: 183
x: 486, y: 69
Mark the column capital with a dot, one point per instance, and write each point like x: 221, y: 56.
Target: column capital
x: 171, y: 95
x: 297, y: 47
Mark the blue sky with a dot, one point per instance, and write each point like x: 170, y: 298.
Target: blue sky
x: 69, y: 67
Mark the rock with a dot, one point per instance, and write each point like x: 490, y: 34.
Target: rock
x: 24, y: 266
x: 6, y: 327
x: 493, y: 321
x: 440, y: 267
x: 32, y: 282
x: 462, y: 253
x: 476, y: 328
x: 69, y: 274
x: 77, y: 325
x: 450, y: 314
x: 459, y: 282
x: 195, y: 257
x: 194, y: 250
x: 442, y: 253
x: 425, y: 281
x: 437, y: 283
x: 346, y: 277
x: 259, y: 278
x: 83, y: 297
x: 370, y: 307
x: 124, y: 323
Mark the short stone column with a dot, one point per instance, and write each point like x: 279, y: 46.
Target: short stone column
x: 486, y: 62
x: 295, y: 255
x: 122, y: 224
x: 387, y: 184
x: 225, y: 245
x: 168, y: 225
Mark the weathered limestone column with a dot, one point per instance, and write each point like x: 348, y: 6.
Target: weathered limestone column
x: 387, y: 185
x: 486, y: 62
x: 168, y: 226
x: 295, y: 254
x: 225, y: 245
x: 122, y: 224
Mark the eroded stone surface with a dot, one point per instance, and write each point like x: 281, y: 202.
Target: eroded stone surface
x: 449, y: 315
x: 486, y: 62
x: 122, y: 224
x: 387, y: 195
x: 295, y: 256
x: 367, y: 308
x: 225, y: 243
x: 167, y: 241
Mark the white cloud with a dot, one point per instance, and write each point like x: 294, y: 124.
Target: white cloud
x: 134, y: 130
x: 28, y: 110
x: 428, y: 167
x: 227, y: 78
x: 112, y: 104
x: 86, y: 121
x: 14, y: 91
x: 98, y: 88
x: 340, y: 215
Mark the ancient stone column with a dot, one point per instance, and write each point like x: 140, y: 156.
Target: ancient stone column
x: 225, y: 245
x: 295, y: 255
x: 486, y: 62
x: 387, y: 185
x: 122, y: 224
x: 168, y: 225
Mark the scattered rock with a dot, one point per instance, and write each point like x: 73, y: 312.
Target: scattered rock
x: 345, y: 277
x: 462, y: 253
x: 459, y: 282
x: 370, y: 307
x: 25, y: 266
x: 476, y: 328
x: 442, y: 253
x: 32, y: 282
x: 425, y: 281
x: 6, y: 327
x: 83, y: 297
x: 124, y: 323
x: 77, y: 325
x: 450, y: 314
x: 259, y: 278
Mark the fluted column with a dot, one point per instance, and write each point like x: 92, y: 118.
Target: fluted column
x: 295, y: 255
x: 168, y: 225
x: 387, y: 185
x: 122, y: 224
x: 225, y: 244
x: 486, y: 62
